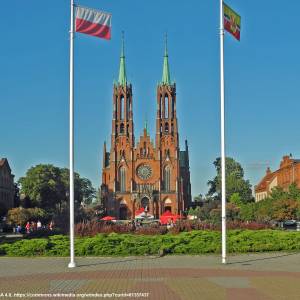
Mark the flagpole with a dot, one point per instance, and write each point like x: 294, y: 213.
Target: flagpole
x: 72, y: 263
x: 222, y: 133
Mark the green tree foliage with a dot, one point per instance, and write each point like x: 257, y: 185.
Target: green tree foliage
x: 235, y: 182
x: 19, y: 215
x: 235, y: 198
x: 279, y: 206
x: 47, y: 187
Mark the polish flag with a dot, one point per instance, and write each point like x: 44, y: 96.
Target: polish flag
x: 93, y: 22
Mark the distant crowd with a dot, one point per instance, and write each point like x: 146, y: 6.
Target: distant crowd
x: 33, y: 226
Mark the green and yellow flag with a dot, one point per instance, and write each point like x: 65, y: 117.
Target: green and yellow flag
x: 232, y: 21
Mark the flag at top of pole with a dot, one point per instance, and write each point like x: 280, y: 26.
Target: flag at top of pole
x: 98, y: 24
x: 230, y: 21
x: 93, y: 22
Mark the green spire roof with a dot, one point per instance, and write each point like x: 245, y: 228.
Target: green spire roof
x: 166, y: 71
x: 146, y: 125
x: 122, y: 71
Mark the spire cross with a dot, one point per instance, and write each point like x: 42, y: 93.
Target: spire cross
x: 166, y: 44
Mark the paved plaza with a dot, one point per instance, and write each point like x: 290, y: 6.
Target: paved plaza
x: 253, y: 276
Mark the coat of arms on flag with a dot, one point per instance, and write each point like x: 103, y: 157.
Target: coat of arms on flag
x: 232, y: 21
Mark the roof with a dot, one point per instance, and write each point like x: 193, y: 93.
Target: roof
x: 4, y: 162
x: 122, y: 71
x: 166, y: 71
x: 262, y: 185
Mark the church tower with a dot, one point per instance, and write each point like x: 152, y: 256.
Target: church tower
x: 119, y: 162
x: 167, y: 139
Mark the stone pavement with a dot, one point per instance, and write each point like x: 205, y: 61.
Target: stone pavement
x: 253, y: 276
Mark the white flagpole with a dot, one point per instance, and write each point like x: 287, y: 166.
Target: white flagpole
x: 222, y: 133
x: 72, y: 263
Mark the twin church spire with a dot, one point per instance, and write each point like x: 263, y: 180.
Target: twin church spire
x: 166, y: 71
x: 166, y: 79
x: 122, y: 71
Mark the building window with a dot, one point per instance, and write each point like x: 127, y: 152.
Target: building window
x: 122, y: 178
x: 167, y: 127
x: 173, y: 108
x: 127, y: 108
x: 166, y: 107
x: 116, y: 107
x: 122, y: 128
x: 167, y: 177
x: 161, y: 107
x: 122, y: 107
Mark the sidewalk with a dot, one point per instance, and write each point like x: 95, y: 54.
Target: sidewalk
x: 254, y: 276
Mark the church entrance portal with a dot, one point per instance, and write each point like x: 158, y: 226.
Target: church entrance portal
x: 123, y: 212
x: 145, y: 203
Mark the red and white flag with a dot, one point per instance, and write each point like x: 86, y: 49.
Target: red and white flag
x: 93, y: 22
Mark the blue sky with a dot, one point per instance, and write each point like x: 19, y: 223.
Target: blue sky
x: 262, y: 81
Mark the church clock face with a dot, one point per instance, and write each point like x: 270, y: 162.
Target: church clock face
x: 144, y: 172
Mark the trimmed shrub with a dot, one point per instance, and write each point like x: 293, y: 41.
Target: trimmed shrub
x: 32, y: 247
x: 193, y: 242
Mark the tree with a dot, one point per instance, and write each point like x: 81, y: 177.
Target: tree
x: 235, y: 199
x: 43, y: 185
x: 285, y: 210
x: 19, y: 215
x: 83, y: 188
x: 17, y: 195
x: 278, y: 193
x: 248, y: 211
x: 47, y: 187
x: 235, y: 182
x: 294, y: 192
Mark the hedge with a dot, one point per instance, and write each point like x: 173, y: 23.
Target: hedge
x: 194, y: 242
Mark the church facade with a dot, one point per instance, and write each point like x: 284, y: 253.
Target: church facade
x: 140, y: 174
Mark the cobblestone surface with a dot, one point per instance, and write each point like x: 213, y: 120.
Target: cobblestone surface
x: 255, y: 276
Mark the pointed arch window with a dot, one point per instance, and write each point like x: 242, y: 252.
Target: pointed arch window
x: 122, y: 128
x: 116, y: 108
x: 173, y: 108
x: 167, y: 178
x: 127, y: 107
x: 166, y: 106
x: 161, y: 106
x: 122, y: 107
x: 122, y: 179
x: 167, y: 127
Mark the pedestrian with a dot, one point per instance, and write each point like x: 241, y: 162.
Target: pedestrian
x: 51, y: 225
x: 33, y: 226
x: 38, y: 225
x: 27, y: 227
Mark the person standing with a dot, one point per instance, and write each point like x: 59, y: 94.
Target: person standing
x: 27, y: 227
x: 51, y: 225
x: 38, y: 225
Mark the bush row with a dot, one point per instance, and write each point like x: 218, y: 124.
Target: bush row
x: 194, y: 242
x: 94, y: 227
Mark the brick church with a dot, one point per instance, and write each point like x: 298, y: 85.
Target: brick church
x: 142, y: 174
